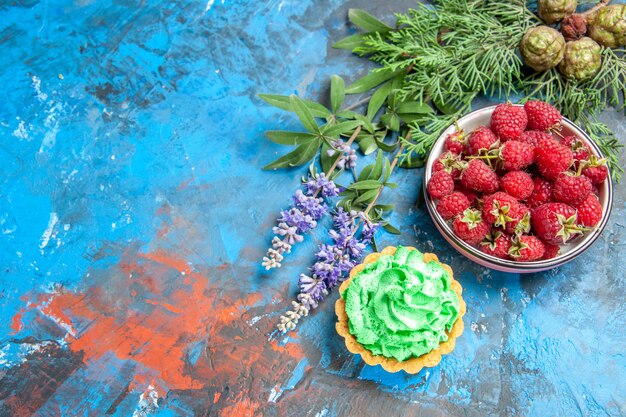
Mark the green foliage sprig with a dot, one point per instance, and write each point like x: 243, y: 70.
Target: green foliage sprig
x: 457, y: 50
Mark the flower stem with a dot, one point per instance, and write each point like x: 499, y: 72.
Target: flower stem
x: 334, y: 165
x: 391, y: 168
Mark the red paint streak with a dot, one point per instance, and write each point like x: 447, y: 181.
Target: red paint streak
x: 16, y: 322
x: 244, y: 407
x: 216, y: 397
x: 223, y: 266
x: 155, y: 330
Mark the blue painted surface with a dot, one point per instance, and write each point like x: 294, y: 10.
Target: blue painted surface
x: 134, y: 215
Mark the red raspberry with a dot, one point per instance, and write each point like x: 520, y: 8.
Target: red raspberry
x: 478, y: 176
x: 542, y: 192
x: 508, y: 121
x: 526, y: 248
x: 571, y: 189
x: 450, y: 162
x: 542, y: 116
x: 552, y: 158
x: 470, y: 227
x: 516, y: 155
x: 596, y: 170
x: 551, y: 251
x: 440, y: 184
x: 481, y: 138
x: 503, y: 210
x: 518, y: 184
x: 555, y: 223
x: 533, y: 137
x: 496, y: 244
x: 580, y: 150
x: 589, y: 211
x: 470, y: 194
x: 455, y: 142
x: 452, y: 204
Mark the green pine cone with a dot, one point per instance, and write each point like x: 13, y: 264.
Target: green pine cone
x: 542, y: 48
x: 582, y: 59
x: 607, y: 26
x: 553, y: 11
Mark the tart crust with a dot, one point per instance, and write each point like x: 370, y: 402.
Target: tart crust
x: 412, y: 365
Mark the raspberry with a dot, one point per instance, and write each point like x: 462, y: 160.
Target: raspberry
x: 470, y: 194
x: 589, y: 211
x: 496, y: 244
x: 508, y: 121
x: 440, y: 184
x: 552, y: 158
x: 596, y: 170
x: 503, y: 210
x: 555, y: 223
x: 551, y: 251
x: 516, y: 155
x: 533, y: 137
x: 542, y: 116
x: 450, y: 162
x: 455, y: 142
x: 518, y: 184
x: 526, y: 248
x: 481, y: 138
x: 542, y: 192
x: 452, y: 204
x: 478, y: 176
x: 580, y: 150
x: 495, y: 204
x: 470, y: 227
x: 571, y: 189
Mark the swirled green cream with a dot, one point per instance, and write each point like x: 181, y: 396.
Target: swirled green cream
x: 400, y: 307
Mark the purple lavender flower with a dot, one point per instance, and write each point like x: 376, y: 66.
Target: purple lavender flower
x: 322, y: 185
x: 336, y: 260
x: 348, y: 157
x: 307, y: 209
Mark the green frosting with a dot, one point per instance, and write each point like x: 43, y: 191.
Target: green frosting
x: 401, y: 307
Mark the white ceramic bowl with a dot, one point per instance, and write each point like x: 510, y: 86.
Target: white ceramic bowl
x: 568, y: 251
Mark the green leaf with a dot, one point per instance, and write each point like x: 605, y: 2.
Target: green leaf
x: 413, y: 163
x: 377, y: 170
x: 337, y: 92
x: 289, y: 138
x: 367, y: 144
x: 391, y: 185
x: 378, y: 99
x: 299, y: 156
x: 388, y: 227
x: 352, y: 41
x: 283, y: 102
x: 385, y: 147
x: 387, y: 170
x: 326, y: 160
x: 347, y: 114
x: 304, y: 114
x: 384, y: 207
x: 365, y: 185
x: 341, y: 128
x: 370, y: 81
x: 365, y: 21
x: 414, y: 107
x: 367, y: 124
x: 366, y: 197
x: 365, y: 172
x: 391, y: 120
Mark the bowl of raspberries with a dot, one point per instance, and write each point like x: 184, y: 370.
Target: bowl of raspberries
x: 518, y: 188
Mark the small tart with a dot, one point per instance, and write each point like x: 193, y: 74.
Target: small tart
x: 411, y: 364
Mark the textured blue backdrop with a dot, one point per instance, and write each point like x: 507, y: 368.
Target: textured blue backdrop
x: 134, y: 215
